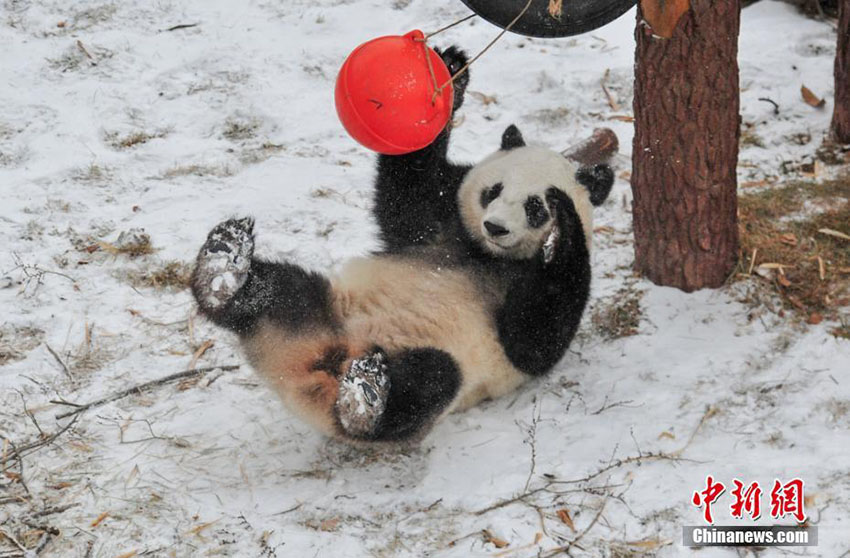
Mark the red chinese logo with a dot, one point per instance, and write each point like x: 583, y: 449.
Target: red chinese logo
x: 748, y: 500
x: 708, y: 496
x: 785, y: 499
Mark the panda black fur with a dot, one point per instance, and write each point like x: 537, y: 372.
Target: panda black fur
x: 481, y: 284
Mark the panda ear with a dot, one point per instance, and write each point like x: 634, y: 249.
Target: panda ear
x: 598, y: 180
x: 512, y: 138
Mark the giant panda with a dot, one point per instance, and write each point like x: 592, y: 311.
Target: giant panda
x: 480, y: 285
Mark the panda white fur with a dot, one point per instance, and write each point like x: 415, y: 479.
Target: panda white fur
x: 481, y: 285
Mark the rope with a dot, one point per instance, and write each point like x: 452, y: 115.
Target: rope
x: 438, y: 90
x: 449, y: 26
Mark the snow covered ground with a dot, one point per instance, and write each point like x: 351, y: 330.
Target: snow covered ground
x: 109, y: 121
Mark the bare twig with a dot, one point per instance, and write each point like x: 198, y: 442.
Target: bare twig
x: 31, y: 416
x: 55, y: 509
x: 182, y: 26
x: 772, y: 102
x: 574, y: 542
x: 509, y: 501
x: 611, y: 101
x: 140, y: 387
x: 19, y: 451
x: 83, y: 49
x: 605, y: 405
x: 614, y: 464
x: 61, y: 362
x: 532, y: 441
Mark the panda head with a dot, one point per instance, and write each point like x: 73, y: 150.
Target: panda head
x: 507, y: 200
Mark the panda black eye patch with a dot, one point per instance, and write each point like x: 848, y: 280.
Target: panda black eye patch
x: 490, y: 194
x: 535, y: 211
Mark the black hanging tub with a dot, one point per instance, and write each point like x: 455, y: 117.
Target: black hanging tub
x: 576, y: 16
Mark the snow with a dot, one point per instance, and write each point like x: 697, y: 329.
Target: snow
x: 173, y: 131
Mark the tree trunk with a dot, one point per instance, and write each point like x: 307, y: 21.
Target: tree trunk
x: 685, y: 150
x: 841, y: 110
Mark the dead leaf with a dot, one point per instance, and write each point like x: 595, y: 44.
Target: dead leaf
x: 814, y: 319
x: 810, y: 98
x: 622, y: 118
x: 200, y: 352
x: 99, y: 519
x: 128, y: 554
x: 491, y: 538
x: 788, y: 238
x: 565, y: 518
x: 783, y: 280
x: 198, y: 528
x: 667, y: 434
x: 329, y: 524
x: 649, y: 544
x: 485, y: 99
x: 662, y: 16
x: 556, y: 8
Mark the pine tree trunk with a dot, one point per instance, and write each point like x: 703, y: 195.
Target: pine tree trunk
x: 685, y: 149
x: 841, y: 112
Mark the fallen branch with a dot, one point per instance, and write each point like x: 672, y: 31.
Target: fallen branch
x: 192, y: 372
x: 598, y: 148
x: 18, y: 451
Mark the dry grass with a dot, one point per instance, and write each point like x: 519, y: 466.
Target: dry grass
x: 133, y: 139
x: 783, y: 248
x: 218, y: 171
x: 94, y: 173
x: 16, y: 342
x: 749, y: 136
x: 174, y: 275
x: 236, y: 129
x: 132, y: 243
x: 618, y: 315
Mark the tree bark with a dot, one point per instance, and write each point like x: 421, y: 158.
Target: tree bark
x: 841, y: 110
x: 685, y: 150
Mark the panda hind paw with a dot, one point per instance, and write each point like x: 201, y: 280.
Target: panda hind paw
x: 224, y: 262
x: 363, y: 392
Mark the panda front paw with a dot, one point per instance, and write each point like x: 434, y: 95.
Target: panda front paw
x: 363, y: 392
x: 223, y: 263
x: 455, y: 59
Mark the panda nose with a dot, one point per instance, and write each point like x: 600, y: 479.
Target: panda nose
x: 494, y: 229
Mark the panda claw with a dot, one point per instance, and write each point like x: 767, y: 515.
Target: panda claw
x: 224, y: 262
x: 363, y: 393
x: 550, y: 245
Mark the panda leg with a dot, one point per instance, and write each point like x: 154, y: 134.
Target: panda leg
x: 235, y: 290
x: 407, y: 218
x: 396, y: 398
